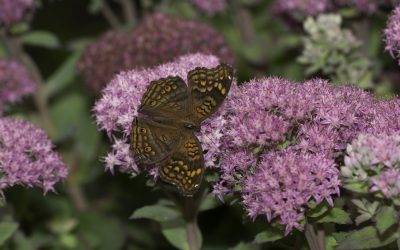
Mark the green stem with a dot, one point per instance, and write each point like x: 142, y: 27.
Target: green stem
x: 189, y: 207
x: 109, y: 15
x: 312, y: 239
x: 129, y: 12
x: 190, y: 212
x: 193, y: 235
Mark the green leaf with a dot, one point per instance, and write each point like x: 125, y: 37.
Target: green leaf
x: 95, y: 6
x: 71, y: 118
x: 100, y: 232
x: 363, y: 218
x: 156, y: 212
x: 22, y: 242
x: 245, y: 246
x: 175, y: 233
x: 41, y: 38
x: 386, y: 217
x: 357, y: 187
x: 63, y: 226
x: 366, y: 238
x: 360, y: 204
x: 335, y: 215
x: 269, y: 235
x: 317, y: 210
x: 330, y: 242
x: 7, y: 229
x: 63, y: 75
x: 209, y: 202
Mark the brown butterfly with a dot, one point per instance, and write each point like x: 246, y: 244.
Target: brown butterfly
x: 169, y: 114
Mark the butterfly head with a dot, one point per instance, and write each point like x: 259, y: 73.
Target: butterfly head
x: 192, y: 127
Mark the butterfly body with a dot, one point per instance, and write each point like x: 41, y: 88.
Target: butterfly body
x: 169, y: 115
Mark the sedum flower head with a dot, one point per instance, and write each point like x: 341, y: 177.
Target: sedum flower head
x: 13, y: 11
x: 392, y: 33
x: 102, y: 59
x: 15, y: 82
x: 375, y: 160
x: 27, y: 157
x: 284, y: 184
x: 276, y: 130
x: 210, y: 7
x: 158, y: 39
x: 302, y: 8
x: 120, y: 101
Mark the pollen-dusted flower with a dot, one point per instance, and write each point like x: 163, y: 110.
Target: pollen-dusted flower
x: 210, y: 7
x: 120, y: 101
x: 15, y: 82
x: 392, y: 33
x: 158, y: 39
x: 272, y: 126
x: 13, y: 11
x: 375, y: 160
x: 27, y: 157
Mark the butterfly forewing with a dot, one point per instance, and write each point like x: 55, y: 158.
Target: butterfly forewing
x: 166, y: 97
x: 152, y: 142
x: 185, y: 167
x: 207, y: 90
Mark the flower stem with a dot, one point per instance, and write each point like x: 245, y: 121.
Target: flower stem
x: 129, y: 12
x: 192, y: 228
x: 109, y: 15
x: 189, y: 207
x: 193, y: 236
x: 314, y: 241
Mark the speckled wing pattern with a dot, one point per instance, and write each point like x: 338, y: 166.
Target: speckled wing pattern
x: 152, y: 142
x: 207, y: 90
x: 185, y: 167
x: 161, y: 137
x: 166, y: 97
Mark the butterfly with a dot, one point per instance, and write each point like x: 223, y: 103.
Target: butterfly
x: 169, y: 114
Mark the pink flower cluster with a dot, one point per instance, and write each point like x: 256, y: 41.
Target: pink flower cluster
x: 277, y: 130
x: 120, y: 101
x: 392, y: 34
x: 303, y: 8
x: 285, y: 182
x: 210, y: 7
x: 375, y: 160
x: 15, y: 82
x: 158, y: 39
x: 13, y: 11
x: 27, y: 157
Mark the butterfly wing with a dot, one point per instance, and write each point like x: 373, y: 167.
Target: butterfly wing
x: 185, y: 167
x: 152, y: 142
x: 207, y: 90
x: 166, y: 97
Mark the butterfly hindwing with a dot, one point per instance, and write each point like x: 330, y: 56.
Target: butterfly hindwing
x: 185, y: 167
x: 152, y: 142
x: 207, y: 90
x: 166, y: 97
